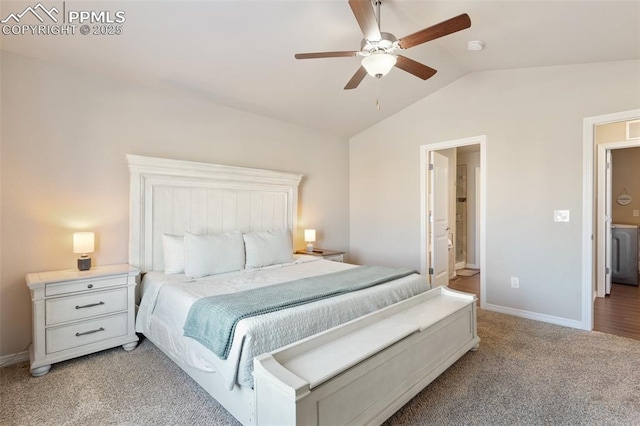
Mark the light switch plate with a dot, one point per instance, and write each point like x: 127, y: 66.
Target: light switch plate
x: 561, y: 216
x: 636, y: 213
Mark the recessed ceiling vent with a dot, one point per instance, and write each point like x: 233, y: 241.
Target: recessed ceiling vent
x: 475, y: 45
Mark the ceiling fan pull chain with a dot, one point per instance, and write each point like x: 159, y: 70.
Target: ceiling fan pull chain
x: 378, y: 93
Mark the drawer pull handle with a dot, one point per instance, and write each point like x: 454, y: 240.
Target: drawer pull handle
x: 90, y: 286
x: 89, y: 332
x: 91, y: 305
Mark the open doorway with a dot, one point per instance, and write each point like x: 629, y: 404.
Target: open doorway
x: 617, y: 305
x: 463, y: 218
x: 597, y: 221
x: 467, y: 209
x: 466, y: 273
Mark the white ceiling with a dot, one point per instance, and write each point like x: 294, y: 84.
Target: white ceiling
x: 241, y: 53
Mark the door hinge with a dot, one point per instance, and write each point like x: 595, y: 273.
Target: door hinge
x: 606, y: 270
x: 430, y: 271
x: 431, y: 166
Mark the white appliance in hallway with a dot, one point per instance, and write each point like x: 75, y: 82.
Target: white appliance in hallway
x: 624, y: 254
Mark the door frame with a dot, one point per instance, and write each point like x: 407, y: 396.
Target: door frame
x: 603, y: 232
x: 590, y: 247
x: 425, y: 151
x: 479, y: 180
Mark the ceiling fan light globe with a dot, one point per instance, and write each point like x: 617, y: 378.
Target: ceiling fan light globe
x: 378, y: 64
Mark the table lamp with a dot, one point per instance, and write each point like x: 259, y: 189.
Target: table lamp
x: 83, y: 243
x: 309, y: 238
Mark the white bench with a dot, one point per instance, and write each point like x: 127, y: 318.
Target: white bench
x: 365, y: 370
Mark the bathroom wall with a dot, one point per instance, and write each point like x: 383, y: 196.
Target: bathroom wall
x: 471, y: 158
x: 625, y: 178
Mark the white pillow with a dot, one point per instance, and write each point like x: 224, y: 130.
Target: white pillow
x: 211, y: 254
x: 264, y: 248
x: 173, y: 253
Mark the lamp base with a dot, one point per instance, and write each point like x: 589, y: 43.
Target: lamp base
x: 310, y: 247
x: 84, y: 263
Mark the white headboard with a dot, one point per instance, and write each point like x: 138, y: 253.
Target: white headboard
x: 174, y: 196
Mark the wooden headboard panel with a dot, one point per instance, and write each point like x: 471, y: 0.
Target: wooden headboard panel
x: 174, y: 196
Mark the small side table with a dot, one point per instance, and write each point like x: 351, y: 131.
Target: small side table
x: 76, y: 313
x: 336, y: 256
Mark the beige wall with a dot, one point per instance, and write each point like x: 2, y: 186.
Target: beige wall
x: 533, y: 120
x: 625, y: 175
x: 65, y: 134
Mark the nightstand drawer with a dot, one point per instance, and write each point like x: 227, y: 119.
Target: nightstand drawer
x: 84, y: 333
x: 53, y: 289
x: 83, y: 306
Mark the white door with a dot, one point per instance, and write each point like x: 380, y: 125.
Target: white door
x: 607, y: 225
x: 603, y: 238
x: 439, y: 219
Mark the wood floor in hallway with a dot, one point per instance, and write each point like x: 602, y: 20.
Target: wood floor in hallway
x: 619, y: 312
x: 466, y: 284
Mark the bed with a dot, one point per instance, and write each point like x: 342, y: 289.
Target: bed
x: 209, y: 207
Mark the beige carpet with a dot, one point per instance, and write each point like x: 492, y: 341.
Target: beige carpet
x: 525, y: 373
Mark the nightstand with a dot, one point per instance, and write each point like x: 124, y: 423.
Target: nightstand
x: 76, y: 313
x: 336, y: 256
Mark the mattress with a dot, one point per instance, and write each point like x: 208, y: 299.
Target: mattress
x: 166, y: 300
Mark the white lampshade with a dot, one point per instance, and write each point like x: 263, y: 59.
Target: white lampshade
x: 378, y: 64
x: 309, y: 235
x: 83, y: 242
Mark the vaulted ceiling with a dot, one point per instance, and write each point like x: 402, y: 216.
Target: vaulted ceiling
x: 241, y: 53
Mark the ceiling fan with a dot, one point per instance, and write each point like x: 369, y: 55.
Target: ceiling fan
x: 380, y: 50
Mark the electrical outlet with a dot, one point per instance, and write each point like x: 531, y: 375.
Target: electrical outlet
x: 636, y: 213
x: 515, y: 282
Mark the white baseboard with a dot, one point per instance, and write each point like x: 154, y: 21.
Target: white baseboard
x: 11, y: 359
x: 535, y: 316
x: 472, y: 266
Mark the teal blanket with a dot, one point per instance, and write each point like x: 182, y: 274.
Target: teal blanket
x: 212, y: 320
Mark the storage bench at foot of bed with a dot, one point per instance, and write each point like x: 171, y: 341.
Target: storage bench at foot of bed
x: 365, y: 370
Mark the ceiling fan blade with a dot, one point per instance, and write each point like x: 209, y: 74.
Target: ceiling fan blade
x: 366, y: 18
x: 416, y: 68
x: 356, y: 79
x: 444, y: 28
x: 326, y: 55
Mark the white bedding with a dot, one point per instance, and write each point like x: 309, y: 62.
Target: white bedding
x: 166, y: 300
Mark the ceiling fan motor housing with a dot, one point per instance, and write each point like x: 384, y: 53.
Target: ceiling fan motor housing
x: 387, y: 43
